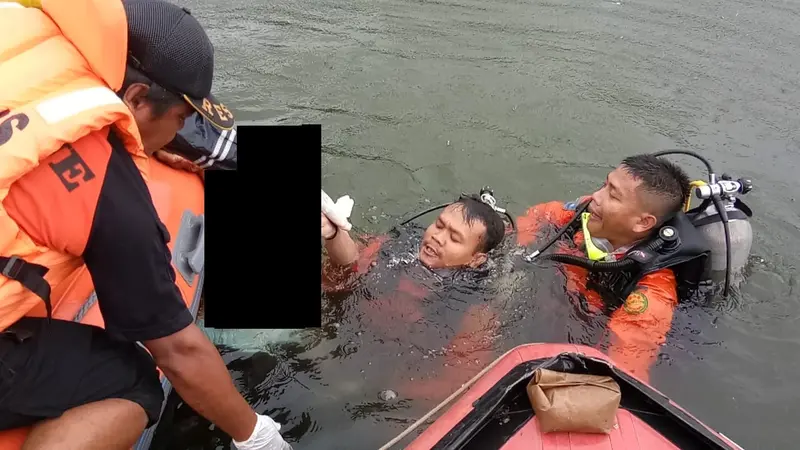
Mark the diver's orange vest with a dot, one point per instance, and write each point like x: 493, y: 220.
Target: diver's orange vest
x: 60, y: 64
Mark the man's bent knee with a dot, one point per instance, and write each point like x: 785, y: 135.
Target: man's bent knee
x: 107, y: 424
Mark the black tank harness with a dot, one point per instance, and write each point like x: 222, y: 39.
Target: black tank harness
x: 676, y: 245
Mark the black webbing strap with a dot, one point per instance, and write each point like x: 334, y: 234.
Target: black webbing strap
x: 29, y: 275
x: 732, y: 215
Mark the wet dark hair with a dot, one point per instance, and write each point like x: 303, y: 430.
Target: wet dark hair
x: 161, y: 99
x: 475, y: 210
x: 663, y: 181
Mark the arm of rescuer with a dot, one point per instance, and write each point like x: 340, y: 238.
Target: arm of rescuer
x: 179, y: 163
x: 130, y: 265
x: 347, y: 259
x: 555, y: 213
x: 637, y: 330
x: 111, y: 223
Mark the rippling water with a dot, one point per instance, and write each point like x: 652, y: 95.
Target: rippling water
x: 420, y: 100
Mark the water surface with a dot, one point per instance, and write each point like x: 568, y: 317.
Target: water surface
x: 420, y: 100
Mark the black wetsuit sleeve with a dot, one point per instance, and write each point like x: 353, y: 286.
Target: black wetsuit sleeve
x: 128, y: 258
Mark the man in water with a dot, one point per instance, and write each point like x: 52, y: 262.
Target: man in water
x: 461, y: 237
x: 637, y: 198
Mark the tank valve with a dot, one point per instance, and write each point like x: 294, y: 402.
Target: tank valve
x: 747, y: 185
x: 724, y: 188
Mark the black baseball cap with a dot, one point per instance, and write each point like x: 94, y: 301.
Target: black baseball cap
x: 168, y: 45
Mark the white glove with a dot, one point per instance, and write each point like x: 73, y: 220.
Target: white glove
x: 265, y: 436
x: 338, y: 212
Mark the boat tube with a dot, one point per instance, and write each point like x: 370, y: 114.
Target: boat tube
x: 495, y: 412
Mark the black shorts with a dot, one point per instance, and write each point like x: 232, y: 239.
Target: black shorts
x: 62, y: 365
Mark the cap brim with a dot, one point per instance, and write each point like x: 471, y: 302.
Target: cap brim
x: 213, y: 111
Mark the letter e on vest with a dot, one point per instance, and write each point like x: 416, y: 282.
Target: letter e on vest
x: 70, y: 169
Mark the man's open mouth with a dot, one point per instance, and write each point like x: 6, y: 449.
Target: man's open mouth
x: 428, y: 250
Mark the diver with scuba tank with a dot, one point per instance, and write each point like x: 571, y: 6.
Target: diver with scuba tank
x: 633, y: 249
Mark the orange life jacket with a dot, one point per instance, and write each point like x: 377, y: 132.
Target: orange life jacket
x: 59, y: 78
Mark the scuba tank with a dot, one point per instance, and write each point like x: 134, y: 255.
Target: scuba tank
x: 709, y: 222
x: 735, y: 234
x: 205, y: 145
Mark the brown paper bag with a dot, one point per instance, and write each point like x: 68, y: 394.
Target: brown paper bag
x: 569, y: 402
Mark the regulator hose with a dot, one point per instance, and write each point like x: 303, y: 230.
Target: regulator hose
x: 581, y: 208
x: 445, y: 205
x: 711, y: 174
x: 588, y: 264
x: 429, y: 210
x: 510, y: 220
x: 724, y: 216
x: 606, y: 266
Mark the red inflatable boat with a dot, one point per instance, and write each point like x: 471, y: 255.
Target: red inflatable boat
x: 495, y: 413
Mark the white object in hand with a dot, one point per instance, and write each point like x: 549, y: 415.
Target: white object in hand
x: 338, y: 212
x: 265, y: 436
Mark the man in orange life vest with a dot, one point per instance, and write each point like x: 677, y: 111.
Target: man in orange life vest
x: 637, y: 198
x: 460, y: 237
x: 76, y: 130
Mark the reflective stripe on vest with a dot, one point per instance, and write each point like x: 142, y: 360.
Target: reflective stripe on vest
x: 67, y: 105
